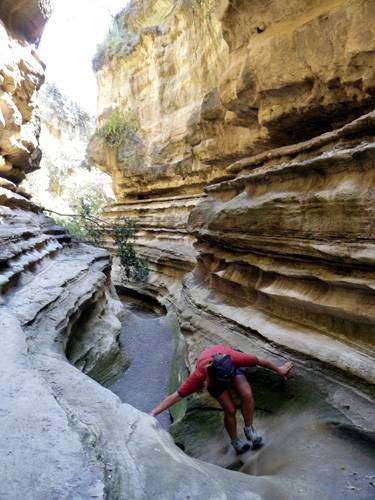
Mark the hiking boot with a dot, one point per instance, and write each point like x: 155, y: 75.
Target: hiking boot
x: 240, y: 445
x: 252, y: 435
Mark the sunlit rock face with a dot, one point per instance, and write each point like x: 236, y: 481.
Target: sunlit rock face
x: 214, y: 81
x: 65, y: 175
x: 254, y: 122
x: 21, y: 74
x: 166, y: 95
x: 161, y: 176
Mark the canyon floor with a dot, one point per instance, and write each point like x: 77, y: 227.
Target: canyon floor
x: 147, y: 341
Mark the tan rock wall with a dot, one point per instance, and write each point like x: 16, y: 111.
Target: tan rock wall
x: 21, y: 74
x: 294, y: 63
x: 285, y: 233
x: 67, y: 435
x: 164, y: 80
x: 214, y: 81
x: 25, y: 19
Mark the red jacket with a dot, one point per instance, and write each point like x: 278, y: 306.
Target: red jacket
x: 196, y: 379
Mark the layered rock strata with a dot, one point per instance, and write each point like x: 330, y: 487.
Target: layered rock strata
x: 56, y: 288
x: 287, y: 250
x: 267, y: 105
x: 21, y: 74
x: 62, y: 433
x: 157, y: 176
x: 251, y: 179
x: 315, y: 414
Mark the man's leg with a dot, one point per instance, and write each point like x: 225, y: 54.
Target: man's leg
x: 226, y: 402
x: 242, y: 387
x: 229, y: 408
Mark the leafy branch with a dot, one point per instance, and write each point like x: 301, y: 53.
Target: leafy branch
x: 120, y: 125
x: 89, y: 227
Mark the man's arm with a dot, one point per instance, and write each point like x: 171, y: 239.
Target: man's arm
x: 242, y: 359
x: 193, y: 383
x: 165, y: 404
x: 282, y: 370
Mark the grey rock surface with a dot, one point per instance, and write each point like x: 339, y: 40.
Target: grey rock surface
x: 148, y: 343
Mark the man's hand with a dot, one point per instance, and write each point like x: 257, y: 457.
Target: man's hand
x: 165, y: 404
x: 285, y: 369
x: 282, y: 371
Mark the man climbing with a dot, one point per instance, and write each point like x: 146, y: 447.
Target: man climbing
x: 218, y: 368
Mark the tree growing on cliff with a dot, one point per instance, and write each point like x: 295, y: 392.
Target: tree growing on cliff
x: 133, y: 267
x: 87, y: 226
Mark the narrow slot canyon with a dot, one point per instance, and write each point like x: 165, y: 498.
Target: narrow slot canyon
x: 145, y: 382
x: 177, y: 176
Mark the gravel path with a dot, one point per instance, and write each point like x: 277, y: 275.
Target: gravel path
x: 149, y: 344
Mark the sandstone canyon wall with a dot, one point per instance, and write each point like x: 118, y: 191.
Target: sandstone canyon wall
x: 251, y: 176
x: 62, y: 434
x: 251, y: 179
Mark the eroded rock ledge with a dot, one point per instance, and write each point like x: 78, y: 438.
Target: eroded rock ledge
x: 251, y: 176
x: 25, y: 19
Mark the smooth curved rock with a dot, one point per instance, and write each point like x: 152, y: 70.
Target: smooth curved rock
x: 310, y: 417
x: 83, y: 442
x: 276, y: 143
x: 62, y: 433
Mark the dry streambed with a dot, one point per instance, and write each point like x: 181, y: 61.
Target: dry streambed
x: 148, y: 343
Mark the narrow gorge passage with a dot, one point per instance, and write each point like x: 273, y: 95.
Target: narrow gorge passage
x: 174, y: 175
x: 148, y: 343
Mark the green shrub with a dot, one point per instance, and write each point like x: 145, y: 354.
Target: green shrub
x: 132, y: 266
x: 72, y: 225
x: 87, y: 226
x: 118, y: 127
